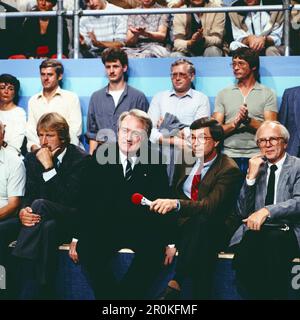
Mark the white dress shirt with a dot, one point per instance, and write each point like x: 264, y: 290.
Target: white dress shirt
x: 12, y: 176
x: 123, y: 159
x: 187, y: 186
x: 279, y: 164
x: 51, y: 173
x: 193, y: 105
x: 15, y: 127
x: 64, y: 102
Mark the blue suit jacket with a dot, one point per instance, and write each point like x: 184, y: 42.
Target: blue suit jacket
x: 289, y: 116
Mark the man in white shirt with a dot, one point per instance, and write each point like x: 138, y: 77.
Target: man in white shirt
x: 53, y: 99
x: 21, y: 5
x: 269, y: 209
x: 100, y: 32
x: 261, y: 31
x: 12, y: 186
x: 182, y: 102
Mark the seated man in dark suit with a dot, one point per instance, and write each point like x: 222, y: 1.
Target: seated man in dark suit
x: 269, y: 207
x: 206, y: 193
x: 123, y: 169
x: 56, y: 176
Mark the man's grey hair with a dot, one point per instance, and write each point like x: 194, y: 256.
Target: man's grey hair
x: 181, y: 61
x: 141, y: 115
x: 284, y: 132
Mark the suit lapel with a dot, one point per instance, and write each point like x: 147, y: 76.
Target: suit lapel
x: 283, y: 179
x: 261, y: 191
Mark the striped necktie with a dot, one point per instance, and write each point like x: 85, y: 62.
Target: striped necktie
x: 128, y: 171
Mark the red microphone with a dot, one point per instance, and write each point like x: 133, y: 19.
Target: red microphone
x: 138, y: 198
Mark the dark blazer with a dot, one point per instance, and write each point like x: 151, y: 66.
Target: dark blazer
x: 66, y: 188
x: 218, y: 193
x: 112, y: 215
x: 289, y: 116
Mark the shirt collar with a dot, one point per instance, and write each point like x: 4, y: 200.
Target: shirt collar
x: 279, y: 164
x: 123, y: 158
x: 206, y: 164
x: 189, y: 93
x: 124, y: 92
x: 61, y: 155
x: 58, y: 91
x: 257, y: 86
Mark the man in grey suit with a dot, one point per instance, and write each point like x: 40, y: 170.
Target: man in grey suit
x: 269, y: 205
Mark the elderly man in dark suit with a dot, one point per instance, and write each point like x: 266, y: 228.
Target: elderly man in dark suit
x: 123, y: 169
x: 206, y: 193
x: 56, y: 175
x: 269, y: 205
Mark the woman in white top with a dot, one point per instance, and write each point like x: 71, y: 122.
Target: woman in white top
x: 12, y: 116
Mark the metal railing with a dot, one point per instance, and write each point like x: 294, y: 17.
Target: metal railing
x: 287, y: 7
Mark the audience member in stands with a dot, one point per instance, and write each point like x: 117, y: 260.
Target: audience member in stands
x: 147, y: 34
x: 206, y: 191
x: 261, y: 31
x: 242, y: 107
x: 183, y: 102
x: 108, y: 103
x: 198, y: 34
x: 289, y: 116
x: 12, y: 186
x: 56, y: 176
x: 10, y: 33
x: 53, y: 99
x: 40, y: 34
x: 98, y: 33
x: 269, y: 209
x: 21, y: 5
x: 12, y: 116
x: 295, y: 30
x: 115, y: 222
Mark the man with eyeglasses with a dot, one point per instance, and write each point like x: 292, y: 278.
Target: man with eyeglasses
x: 206, y: 192
x: 269, y: 209
x: 182, y: 102
x: 241, y: 108
x: 261, y: 31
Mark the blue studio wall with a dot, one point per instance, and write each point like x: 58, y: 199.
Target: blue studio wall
x: 84, y: 76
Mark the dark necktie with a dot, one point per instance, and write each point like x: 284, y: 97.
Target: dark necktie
x: 57, y: 163
x: 195, y: 185
x: 271, y: 186
x: 128, y: 171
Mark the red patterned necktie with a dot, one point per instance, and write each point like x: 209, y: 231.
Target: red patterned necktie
x: 195, y: 185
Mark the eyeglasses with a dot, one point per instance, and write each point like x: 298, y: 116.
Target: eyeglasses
x: 238, y: 64
x: 201, y: 139
x: 272, y: 140
x: 180, y: 75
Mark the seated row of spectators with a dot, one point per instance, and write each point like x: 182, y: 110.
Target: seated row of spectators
x: 203, y: 34
x: 50, y: 174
